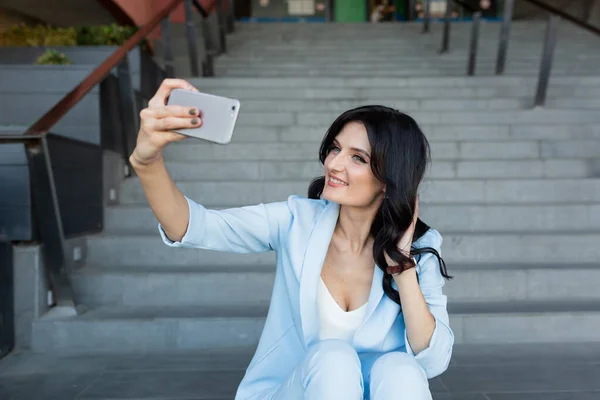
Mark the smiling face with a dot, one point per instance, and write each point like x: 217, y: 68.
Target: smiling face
x: 349, y: 179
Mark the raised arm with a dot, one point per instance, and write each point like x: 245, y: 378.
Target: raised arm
x: 156, y: 123
x: 182, y: 222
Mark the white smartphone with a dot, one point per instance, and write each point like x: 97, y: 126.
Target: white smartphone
x: 219, y: 114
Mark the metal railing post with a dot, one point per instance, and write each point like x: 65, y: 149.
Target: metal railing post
x: 208, y: 68
x: 222, y: 31
x: 586, y: 9
x: 546, y: 62
x: 128, y: 110
x: 330, y: 11
x: 446, y: 35
x: 190, y: 29
x: 427, y: 17
x: 230, y: 17
x: 47, y: 213
x: 165, y: 28
x: 473, y: 43
x: 504, y: 36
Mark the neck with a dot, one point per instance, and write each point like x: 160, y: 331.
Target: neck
x: 353, y: 227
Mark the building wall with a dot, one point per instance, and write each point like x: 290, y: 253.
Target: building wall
x: 8, y: 18
x: 58, y: 12
x: 351, y: 11
x: 142, y: 11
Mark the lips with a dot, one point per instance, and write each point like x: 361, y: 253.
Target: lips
x: 341, y: 180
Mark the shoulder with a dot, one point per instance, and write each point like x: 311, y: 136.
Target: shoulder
x: 431, y: 238
x: 305, y: 208
x: 295, y: 210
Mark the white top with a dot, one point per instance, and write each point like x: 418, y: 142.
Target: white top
x: 335, y: 323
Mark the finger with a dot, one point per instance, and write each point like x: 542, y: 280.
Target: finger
x: 174, y: 136
x: 170, y: 123
x: 173, y: 111
x: 160, y: 97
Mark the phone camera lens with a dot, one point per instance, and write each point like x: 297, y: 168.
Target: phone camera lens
x: 232, y: 108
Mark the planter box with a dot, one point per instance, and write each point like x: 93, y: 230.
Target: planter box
x: 28, y: 91
x: 79, y: 55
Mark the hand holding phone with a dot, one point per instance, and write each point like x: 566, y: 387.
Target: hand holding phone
x: 219, y: 115
x: 158, y: 120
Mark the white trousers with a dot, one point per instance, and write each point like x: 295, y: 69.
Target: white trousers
x: 332, y: 370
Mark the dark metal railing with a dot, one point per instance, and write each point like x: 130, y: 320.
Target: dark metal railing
x: 549, y: 41
x: 46, y: 212
x: 36, y: 139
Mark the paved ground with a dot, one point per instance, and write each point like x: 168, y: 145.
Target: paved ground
x: 523, y: 372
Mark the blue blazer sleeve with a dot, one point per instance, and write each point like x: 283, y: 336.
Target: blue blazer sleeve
x: 435, y: 358
x: 250, y: 229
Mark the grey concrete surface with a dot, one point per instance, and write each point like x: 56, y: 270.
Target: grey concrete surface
x: 556, y: 371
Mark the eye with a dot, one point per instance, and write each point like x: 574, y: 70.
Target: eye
x: 333, y: 147
x: 362, y: 160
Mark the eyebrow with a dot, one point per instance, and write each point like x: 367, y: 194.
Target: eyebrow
x: 355, y: 149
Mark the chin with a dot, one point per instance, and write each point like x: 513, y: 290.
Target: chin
x: 327, y: 195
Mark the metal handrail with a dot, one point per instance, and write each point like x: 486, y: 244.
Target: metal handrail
x: 474, y: 39
x: 60, y: 109
x: 508, y: 13
x: 564, y: 15
x: 549, y: 40
x: 46, y: 207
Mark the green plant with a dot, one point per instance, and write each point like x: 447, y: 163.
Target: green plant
x: 107, y: 35
x: 85, y: 35
x: 53, y: 57
x: 37, y: 36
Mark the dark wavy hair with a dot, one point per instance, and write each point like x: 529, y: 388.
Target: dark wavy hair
x: 400, y: 155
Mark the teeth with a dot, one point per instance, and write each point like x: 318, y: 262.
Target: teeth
x: 337, y: 181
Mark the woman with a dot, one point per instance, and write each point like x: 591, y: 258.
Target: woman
x: 353, y: 313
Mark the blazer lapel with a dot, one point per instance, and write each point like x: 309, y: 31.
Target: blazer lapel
x: 379, y: 317
x: 316, y: 251
x: 318, y: 244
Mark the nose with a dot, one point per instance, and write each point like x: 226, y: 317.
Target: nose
x: 336, y: 163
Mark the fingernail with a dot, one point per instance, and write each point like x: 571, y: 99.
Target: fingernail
x: 193, y: 111
x: 194, y: 121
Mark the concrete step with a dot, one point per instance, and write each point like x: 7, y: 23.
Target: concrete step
x: 406, y: 93
x: 501, y: 117
x: 524, y: 322
x: 427, y: 49
x: 370, y: 82
x: 132, y: 329
x: 358, y: 64
x: 308, y: 149
x: 455, y: 191
x: 205, y: 286
x: 414, y: 52
x: 434, y: 132
x: 182, y: 70
x: 216, y: 170
x: 458, y: 104
x: 485, y: 371
x: 465, y: 218
x: 440, y: 150
x: 135, y: 329
x: 470, y: 247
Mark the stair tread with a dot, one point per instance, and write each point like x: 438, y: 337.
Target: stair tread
x: 136, y: 313
x: 149, y: 235
x: 524, y: 307
x: 94, y: 269
x: 166, y: 313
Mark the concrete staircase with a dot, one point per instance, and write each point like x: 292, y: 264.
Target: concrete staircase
x: 514, y: 191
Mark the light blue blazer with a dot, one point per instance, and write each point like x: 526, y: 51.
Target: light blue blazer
x: 299, y: 230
